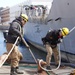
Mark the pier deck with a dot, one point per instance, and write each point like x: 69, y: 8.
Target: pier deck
x: 32, y: 70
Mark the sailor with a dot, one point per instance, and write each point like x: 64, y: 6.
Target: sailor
x: 15, y: 30
x: 51, y: 40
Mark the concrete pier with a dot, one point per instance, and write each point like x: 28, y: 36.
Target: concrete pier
x: 31, y: 69
x: 28, y: 70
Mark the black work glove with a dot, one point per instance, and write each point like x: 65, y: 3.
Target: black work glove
x: 43, y: 40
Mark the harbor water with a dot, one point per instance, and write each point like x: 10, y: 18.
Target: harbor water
x: 27, y: 57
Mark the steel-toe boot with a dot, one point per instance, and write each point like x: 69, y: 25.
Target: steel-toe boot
x: 18, y: 71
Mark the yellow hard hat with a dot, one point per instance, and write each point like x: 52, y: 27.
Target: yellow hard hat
x: 25, y: 17
x: 65, y: 31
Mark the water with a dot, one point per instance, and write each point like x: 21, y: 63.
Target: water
x: 27, y: 57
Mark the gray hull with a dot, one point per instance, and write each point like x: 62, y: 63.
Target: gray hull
x: 62, y: 14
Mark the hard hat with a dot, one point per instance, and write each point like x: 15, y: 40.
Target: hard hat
x: 25, y: 17
x: 65, y: 31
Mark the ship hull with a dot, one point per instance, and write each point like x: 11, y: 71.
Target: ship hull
x: 33, y: 37
x: 61, y: 15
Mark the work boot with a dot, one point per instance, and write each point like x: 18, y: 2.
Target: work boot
x: 18, y: 71
x: 13, y: 71
x: 48, y: 68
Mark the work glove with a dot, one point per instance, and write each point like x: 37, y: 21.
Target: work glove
x: 59, y: 41
x: 43, y: 40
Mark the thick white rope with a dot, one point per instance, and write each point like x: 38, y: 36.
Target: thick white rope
x: 72, y: 29
x: 59, y: 57
x: 9, y: 52
x: 52, y: 69
x: 29, y: 50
